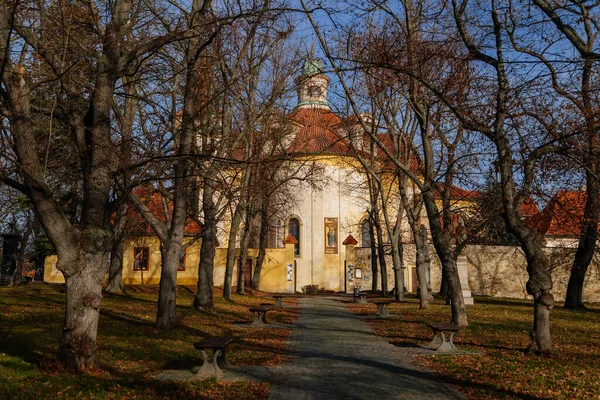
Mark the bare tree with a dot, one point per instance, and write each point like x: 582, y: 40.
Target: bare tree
x: 86, y: 90
x: 577, y: 26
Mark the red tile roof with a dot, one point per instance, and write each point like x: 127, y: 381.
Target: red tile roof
x: 289, y: 239
x: 456, y: 193
x: 350, y: 241
x: 317, y: 132
x: 137, y: 225
x: 320, y: 131
x: 562, y: 216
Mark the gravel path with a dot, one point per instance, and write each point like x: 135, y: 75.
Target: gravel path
x: 336, y: 355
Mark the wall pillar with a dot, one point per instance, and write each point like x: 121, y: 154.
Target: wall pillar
x: 463, y: 274
x: 350, y: 262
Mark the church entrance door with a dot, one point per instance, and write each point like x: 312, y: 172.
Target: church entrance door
x: 247, y: 272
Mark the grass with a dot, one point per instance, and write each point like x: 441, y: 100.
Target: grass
x: 499, y: 329
x: 130, y: 350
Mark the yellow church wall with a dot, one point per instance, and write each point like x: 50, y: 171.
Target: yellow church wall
x: 51, y: 273
x: 330, y: 275
x: 189, y: 276
x: 273, y: 274
x: 221, y: 264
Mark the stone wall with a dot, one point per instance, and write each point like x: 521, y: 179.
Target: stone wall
x: 498, y: 271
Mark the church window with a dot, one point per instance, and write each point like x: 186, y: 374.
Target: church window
x: 181, y: 265
x: 294, y: 230
x: 314, y: 91
x: 365, y: 233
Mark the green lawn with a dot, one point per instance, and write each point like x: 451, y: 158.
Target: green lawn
x: 499, y: 329
x: 131, y: 351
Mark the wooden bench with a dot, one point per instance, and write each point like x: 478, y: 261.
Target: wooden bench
x: 260, y: 315
x: 442, y: 337
x: 361, y: 298
x: 219, y: 346
x: 382, y: 309
x: 278, y: 300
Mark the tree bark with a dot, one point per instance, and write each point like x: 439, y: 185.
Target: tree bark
x: 22, y: 250
x: 262, y: 243
x: 245, y: 241
x: 77, y: 348
x: 398, y: 257
x: 230, y: 263
x: 448, y: 260
x: 422, y: 264
x: 166, y: 316
x: 381, y: 257
x: 115, y: 270
x: 374, y: 264
x: 204, y: 297
x: 587, y: 242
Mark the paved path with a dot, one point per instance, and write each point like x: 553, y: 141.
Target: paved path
x: 337, y: 356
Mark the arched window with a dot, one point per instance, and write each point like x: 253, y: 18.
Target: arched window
x: 294, y: 230
x: 365, y: 233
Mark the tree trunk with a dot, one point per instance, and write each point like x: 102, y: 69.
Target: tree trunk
x: 21, y: 254
x: 444, y: 288
x: 77, y: 349
x: 540, y: 279
x: 448, y: 260
x: 587, y: 242
x: 244, y: 254
x: 166, y: 317
x: 230, y: 263
x: 204, y: 297
x: 374, y: 269
x: 262, y: 244
x: 422, y: 263
x: 381, y: 256
x: 398, y: 259
x: 115, y: 270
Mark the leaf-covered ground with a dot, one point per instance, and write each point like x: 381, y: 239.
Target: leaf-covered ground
x: 131, y: 351
x: 499, y: 329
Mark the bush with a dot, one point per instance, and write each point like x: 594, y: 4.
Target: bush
x: 310, y: 289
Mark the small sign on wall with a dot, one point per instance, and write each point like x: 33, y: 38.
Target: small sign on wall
x: 350, y: 273
x: 358, y: 273
x: 289, y: 272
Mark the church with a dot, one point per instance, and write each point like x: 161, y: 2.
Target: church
x: 334, y: 205
x: 321, y: 237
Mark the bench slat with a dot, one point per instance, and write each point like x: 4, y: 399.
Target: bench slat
x: 444, y: 327
x: 260, y: 309
x: 213, y: 342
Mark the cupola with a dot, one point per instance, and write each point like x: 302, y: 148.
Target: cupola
x: 312, y: 85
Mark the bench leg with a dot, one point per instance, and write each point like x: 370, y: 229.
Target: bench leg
x: 258, y: 319
x: 264, y: 318
x: 383, y: 313
x: 278, y: 303
x: 206, y: 370
x: 218, y: 372
x: 447, y: 345
x: 222, y: 360
x: 436, y: 342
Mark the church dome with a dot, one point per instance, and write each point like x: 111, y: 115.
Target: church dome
x: 312, y: 85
